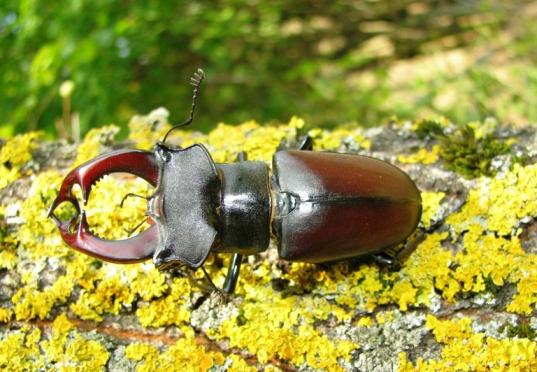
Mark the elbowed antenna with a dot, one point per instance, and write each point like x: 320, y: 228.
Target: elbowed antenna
x: 195, y: 81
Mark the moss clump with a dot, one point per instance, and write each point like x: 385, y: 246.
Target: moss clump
x: 467, y: 150
x: 429, y: 128
x: 522, y: 330
x: 469, y: 156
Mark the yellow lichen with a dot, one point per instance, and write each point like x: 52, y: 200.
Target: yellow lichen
x: 364, y: 322
x: 14, y: 154
x: 69, y: 351
x: 384, y: 317
x: 268, y: 323
x: 423, y: 156
x: 8, y: 257
x: 465, y: 351
x: 431, y: 205
x: 106, y: 217
x: 500, y: 203
x: 55, y: 346
x: 172, y: 309
x: 7, y: 175
x: 30, y: 302
x: 5, y: 315
x: 109, y: 295
x: 283, y: 328
x: 18, y: 150
x: 37, y: 237
x: 331, y: 140
x: 143, y: 352
x: 19, y: 351
x: 184, y: 355
x: 94, y: 142
x: 239, y: 365
x: 145, y: 131
x: 445, y: 330
x: 64, y: 350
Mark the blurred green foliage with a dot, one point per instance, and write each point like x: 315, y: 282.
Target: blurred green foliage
x: 330, y: 62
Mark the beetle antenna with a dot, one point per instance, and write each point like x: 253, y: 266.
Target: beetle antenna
x: 195, y: 81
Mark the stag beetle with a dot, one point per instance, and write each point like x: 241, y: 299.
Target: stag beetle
x: 318, y: 206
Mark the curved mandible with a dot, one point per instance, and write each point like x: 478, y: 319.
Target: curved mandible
x: 138, y: 248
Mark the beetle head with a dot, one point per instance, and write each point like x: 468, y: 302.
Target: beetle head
x: 135, y: 249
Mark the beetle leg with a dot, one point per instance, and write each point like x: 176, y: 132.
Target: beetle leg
x: 197, y: 284
x: 411, y: 244
x: 211, y: 283
x: 302, y: 143
x: 306, y: 143
x: 392, y: 259
x: 386, y: 260
x: 242, y: 156
x: 233, y: 273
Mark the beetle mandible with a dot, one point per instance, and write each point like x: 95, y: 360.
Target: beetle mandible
x: 318, y: 206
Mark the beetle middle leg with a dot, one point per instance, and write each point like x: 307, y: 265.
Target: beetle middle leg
x: 306, y: 143
x: 303, y: 143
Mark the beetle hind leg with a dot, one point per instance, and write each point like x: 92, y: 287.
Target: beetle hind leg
x: 387, y: 260
x: 393, y: 257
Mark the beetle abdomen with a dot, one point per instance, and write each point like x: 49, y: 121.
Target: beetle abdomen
x: 333, y: 206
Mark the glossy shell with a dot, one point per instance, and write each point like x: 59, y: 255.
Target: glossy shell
x: 334, y: 206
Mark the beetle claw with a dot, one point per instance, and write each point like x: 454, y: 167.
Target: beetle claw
x: 135, y: 249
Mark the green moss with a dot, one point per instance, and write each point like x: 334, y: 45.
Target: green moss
x: 522, y: 330
x: 490, y: 286
x: 467, y: 150
x: 429, y: 128
x: 469, y: 156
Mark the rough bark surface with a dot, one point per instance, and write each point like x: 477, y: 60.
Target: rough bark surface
x: 465, y: 297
